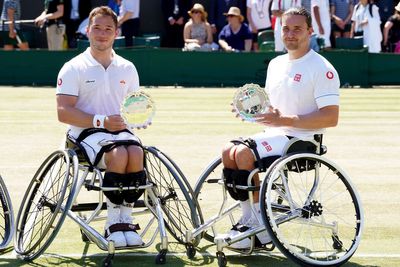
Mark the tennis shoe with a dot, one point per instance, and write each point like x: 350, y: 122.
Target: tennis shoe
x: 118, y: 237
x: 262, y: 238
x: 132, y: 237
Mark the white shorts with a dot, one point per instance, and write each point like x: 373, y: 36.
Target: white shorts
x: 270, y: 143
x: 94, y: 142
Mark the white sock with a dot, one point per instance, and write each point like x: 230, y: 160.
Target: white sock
x: 246, y: 209
x: 113, y: 213
x: 257, y: 209
x: 126, y: 212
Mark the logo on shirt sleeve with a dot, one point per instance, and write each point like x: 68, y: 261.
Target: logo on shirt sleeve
x: 329, y: 75
x: 59, y: 82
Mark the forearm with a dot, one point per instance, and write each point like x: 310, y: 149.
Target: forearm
x: 125, y: 17
x: 74, y: 116
x: 323, y: 118
x: 10, y: 15
x: 317, y: 17
x: 224, y: 45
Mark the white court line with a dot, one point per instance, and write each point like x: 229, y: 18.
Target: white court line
x: 13, y: 255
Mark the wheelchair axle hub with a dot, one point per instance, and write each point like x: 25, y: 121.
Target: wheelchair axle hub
x: 43, y: 202
x: 313, y: 209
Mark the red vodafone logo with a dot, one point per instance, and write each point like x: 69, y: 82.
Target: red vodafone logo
x: 59, y: 82
x: 329, y: 75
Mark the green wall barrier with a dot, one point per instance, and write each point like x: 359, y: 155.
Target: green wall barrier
x: 158, y: 67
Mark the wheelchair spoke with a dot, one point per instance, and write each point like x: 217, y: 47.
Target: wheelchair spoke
x: 323, y: 223
x: 40, y: 216
x: 173, y: 192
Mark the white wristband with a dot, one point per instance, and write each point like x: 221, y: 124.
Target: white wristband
x: 98, y: 121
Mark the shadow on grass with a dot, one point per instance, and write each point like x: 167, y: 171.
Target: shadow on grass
x: 145, y: 258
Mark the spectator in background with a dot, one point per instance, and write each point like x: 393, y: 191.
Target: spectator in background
x: 51, y: 17
x: 128, y: 20
x: 75, y: 11
x: 197, y: 32
x: 366, y: 23
x: 278, y: 8
x: 385, y: 9
x: 10, y: 33
x: 341, y: 12
x: 321, y: 20
x: 236, y: 35
x: 307, y: 5
x: 175, y: 17
x: 114, y: 5
x: 217, y: 10
x: 391, y: 32
x: 258, y: 17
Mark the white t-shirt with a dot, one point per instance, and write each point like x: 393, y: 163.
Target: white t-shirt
x: 325, y: 18
x: 99, y: 90
x: 302, y: 86
x: 260, y: 13
x: 131, y: 6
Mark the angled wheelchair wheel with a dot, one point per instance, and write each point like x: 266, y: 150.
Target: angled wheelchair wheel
x: 45, y: 204
x: 210, y: 195
x: 175, y: 193
x: 311, y: 210
x: 6, y: 217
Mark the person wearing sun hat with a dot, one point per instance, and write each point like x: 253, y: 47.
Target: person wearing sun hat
x: 236, y: 35
x: 391, y: 32
x: 197, y: 31
x: 217, y: 8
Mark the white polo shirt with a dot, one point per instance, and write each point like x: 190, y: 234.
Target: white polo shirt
x: 302, y: 86
x: 99, y: 90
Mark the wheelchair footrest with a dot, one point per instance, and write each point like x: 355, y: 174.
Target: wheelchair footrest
x: 93, y: 206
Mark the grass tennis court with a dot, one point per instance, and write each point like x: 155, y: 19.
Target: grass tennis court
x: 191, y: 126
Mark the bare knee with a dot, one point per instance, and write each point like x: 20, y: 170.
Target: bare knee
x: 244, y: 158
x: 117, y: 159
x: 135, y: 162
x: 227, y: 159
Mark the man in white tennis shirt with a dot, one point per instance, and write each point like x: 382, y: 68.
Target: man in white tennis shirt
x: 90, y: 89
x: 303, y: 88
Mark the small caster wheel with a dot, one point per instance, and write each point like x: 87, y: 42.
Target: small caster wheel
x: 221, y: 259
x: 160, y: 258
x: 190, y: 251
x: 107, y: 262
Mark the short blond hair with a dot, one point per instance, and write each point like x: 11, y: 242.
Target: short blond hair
x: 104, y: 11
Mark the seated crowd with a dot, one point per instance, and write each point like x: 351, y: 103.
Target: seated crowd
x: 231, y: 26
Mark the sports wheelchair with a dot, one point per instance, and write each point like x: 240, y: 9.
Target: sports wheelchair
x: 309, y: 207
x: 6, y: 217
x: 52, y: 195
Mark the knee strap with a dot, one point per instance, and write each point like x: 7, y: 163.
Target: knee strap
x: 135, y: 179
x: 233, y: 178
x: 112, y: 179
